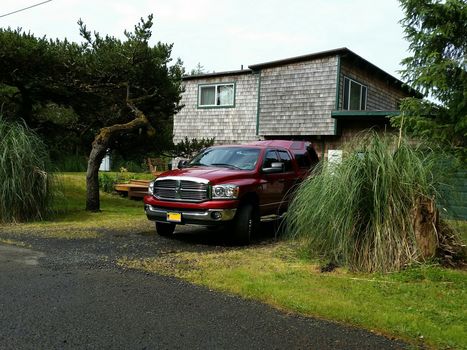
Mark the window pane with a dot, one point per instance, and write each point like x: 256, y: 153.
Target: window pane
x: 355, y: 89
x: 245, y: 158
x: 346, y: 93
x: 207, y: 96
x: 285, y: 158
x: 225, y: 94
x: 270, y: 158
x: 363, y: 105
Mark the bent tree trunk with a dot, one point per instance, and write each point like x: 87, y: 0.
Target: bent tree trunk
x: 92, y: 175
x: 99, y: 146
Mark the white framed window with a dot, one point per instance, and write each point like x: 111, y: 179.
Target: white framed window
x: 355, y: 95
x: 216, y: 95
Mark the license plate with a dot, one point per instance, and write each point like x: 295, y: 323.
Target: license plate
x: 174, y: 217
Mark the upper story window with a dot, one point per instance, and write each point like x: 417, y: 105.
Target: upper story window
x: 216, y: 95
x: 355, y: 95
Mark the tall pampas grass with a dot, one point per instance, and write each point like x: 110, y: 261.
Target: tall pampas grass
x: 25, y: 180
x: 361, y: 212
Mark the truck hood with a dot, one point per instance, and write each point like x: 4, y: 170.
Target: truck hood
x: 212, y: 174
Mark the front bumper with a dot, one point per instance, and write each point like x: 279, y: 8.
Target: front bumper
x: 197, y: 217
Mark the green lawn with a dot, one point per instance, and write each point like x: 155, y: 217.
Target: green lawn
x: 424, y: 304
x: 71, y: 221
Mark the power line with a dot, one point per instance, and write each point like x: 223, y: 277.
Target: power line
x: 23, y: 9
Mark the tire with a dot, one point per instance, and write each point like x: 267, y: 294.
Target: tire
x: 245, y: 224
x: 165, y: 229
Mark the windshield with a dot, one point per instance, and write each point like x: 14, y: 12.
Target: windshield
x: 227, y: 157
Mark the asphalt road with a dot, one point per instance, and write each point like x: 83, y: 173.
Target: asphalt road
x: 69, y: 295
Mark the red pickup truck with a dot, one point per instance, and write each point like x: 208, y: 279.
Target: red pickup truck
x: 231, y: 185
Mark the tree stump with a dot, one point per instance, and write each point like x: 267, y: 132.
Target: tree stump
x: 425, y: 221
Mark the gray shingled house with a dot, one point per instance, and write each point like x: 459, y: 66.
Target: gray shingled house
x: 325, y: 97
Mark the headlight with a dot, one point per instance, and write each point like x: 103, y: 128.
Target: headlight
x: 225, y: 192
x: 151, y: 188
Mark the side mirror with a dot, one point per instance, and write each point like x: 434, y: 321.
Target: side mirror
x: 276, y: 167
x: 182, y: 164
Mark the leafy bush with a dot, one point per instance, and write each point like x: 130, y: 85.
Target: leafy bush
x: 362, y: 212
x: 25, y: 180
x: 107, y: 182
x: 187, y: 148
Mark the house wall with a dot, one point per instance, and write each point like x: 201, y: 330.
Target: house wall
x: 382, y: 95
x: 347, y: 131
x: 228, y: 125
x: 297, y: 98
x: 296, y: 101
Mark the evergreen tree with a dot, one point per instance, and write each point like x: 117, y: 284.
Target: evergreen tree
x: 437, y: 33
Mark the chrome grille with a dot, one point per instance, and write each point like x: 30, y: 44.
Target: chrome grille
x: 181, y: 190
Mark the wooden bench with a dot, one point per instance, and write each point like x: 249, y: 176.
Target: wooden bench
x: 133, y: 189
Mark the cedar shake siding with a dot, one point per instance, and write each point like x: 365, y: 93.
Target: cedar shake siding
x: 235, y: 124
x: 383, y: 93
x: 297, y: 98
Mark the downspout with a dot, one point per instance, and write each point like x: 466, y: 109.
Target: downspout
x: 258, y: 102
x: 338, y: 88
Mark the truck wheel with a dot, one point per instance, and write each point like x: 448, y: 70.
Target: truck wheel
x: 245, y: 224
x: 164, y: 228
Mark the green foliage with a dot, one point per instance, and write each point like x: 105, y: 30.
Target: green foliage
x: 135, y: 163
x: 71, y: 163
x: 187, y: 148
x: 105, y: 89
x: 107, y: 182
x: 7, y: 94
x: 73, y: 90
x: 56, y: 114
x: 199, y: 69
x: 40, y: 69
x: 437, y: 33
x: 25, y: 180
x: 358, y: 213
x: 112, y: 72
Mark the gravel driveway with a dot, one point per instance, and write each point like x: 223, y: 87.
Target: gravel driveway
x: 69, y: 294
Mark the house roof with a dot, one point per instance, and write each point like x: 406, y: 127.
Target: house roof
x: 342, y: 52
x: 296, y: 59
x: 217, y: 74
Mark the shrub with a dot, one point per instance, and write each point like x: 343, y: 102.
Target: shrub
x: 25, y: 181
x: 107, y: 182
x: 369, y: 211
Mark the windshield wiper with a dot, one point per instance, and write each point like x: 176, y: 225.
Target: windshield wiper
x: 226, y: 165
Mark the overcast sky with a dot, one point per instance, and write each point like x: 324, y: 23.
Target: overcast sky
x: 224, y: 34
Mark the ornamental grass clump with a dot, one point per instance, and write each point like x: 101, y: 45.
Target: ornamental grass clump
x: 25, y: 183
x: 375, y: 211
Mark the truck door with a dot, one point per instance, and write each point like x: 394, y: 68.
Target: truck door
x: 273, y: 186
x: 289, y: 176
